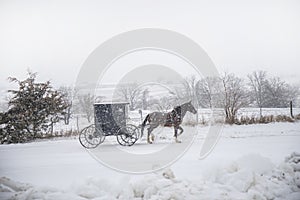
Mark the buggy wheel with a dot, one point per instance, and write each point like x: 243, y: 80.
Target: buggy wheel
x: 90, y: 137
x: 128, y: 135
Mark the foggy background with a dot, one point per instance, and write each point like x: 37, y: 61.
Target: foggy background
x: 54, y: 38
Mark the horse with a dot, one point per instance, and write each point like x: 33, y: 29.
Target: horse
x: 173, y: 118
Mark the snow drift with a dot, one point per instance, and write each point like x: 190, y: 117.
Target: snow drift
x: 250, y: 177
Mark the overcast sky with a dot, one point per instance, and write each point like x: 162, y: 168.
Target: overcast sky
x: 55, y: 37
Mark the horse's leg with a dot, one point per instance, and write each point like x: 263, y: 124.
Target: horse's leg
x: 150, y: 129
x: 181, y: 130
x: 175, y: 134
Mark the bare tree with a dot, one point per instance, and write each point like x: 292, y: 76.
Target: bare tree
x: 163, y: 104
x: 207, y: 92
x: 234, y: 94
x: 297, y: 99
x: 129, y: 93
x: 86, y: 102
x: 145, y: 97
x: 69, y: 94
x: 187, y: 91
x: 272, y: 92
x: 258, y: 83
x: 279, y: 93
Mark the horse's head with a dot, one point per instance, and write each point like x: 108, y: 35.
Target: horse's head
x: 189, y: 107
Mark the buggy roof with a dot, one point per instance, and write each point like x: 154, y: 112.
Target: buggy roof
x: 110, y: 103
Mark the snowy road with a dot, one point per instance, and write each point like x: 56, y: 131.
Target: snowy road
x: 63, y: 163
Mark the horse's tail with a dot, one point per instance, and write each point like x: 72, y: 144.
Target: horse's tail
x: 144, y: 124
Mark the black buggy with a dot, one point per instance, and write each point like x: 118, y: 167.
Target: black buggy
x: 110, y: 120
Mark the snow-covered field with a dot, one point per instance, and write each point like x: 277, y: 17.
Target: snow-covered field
x: 204, y: 115
x: 248, y: 162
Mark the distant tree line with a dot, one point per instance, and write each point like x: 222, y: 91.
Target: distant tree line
x: 228, y: 91
x: 232, y: 93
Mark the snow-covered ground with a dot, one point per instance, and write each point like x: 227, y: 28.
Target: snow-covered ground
x: 248, y: 162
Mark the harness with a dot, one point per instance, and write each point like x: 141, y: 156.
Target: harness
x: 174, y: 116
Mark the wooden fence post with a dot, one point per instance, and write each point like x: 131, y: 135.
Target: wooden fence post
x: 291, y: 109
